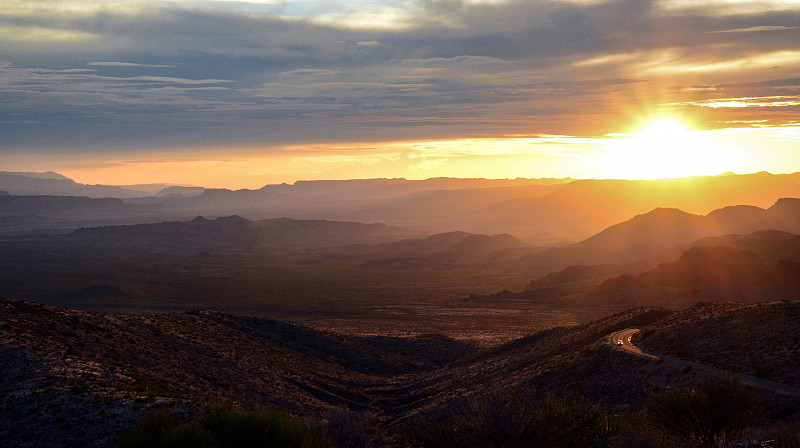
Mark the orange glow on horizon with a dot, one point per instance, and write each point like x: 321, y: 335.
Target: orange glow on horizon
x: 664, y: 148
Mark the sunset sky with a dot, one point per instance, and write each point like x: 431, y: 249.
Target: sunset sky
x: 243, y: 93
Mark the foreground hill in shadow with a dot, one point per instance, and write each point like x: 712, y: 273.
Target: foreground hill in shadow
x: 63, y: 369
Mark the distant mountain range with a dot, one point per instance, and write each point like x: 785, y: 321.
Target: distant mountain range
x: 539, y: 211
x: 51, y: 183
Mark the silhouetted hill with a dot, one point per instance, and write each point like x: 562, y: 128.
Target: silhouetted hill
x: 661, y: 230
x: 771, y: 245
x: 397, y: 263
x: 180, y: 191
x: 52, y: 175
x: 22, y: 222
x: 412, y: 247
x: 234, y: 231
x: 704, y: 273
x: 577, y: 273
x: 787, y: 210
x: 439, y: 248
x: 584, y: 207
x: 477, y: 246
x: 63, y: 206
x: 744, y: 219
x: 360, y: 189
x: 65, y: 213
x: 54, y: 184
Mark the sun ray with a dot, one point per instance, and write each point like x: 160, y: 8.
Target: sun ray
x: 666, y: 148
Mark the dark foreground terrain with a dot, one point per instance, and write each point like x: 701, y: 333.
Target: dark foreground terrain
x: 77, y: 378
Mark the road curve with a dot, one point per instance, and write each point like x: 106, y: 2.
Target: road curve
x: 621, y: 340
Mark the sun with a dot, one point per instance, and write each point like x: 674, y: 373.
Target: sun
x: 666, y: 148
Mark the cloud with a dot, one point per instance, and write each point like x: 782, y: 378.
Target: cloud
x: 39, y: 34
x: 754, y: 29
x: 731, y: 7
x: 287, y: 71
x: 128, y: 64
x: 745, y: 102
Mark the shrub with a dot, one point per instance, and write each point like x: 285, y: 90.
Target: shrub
x: 783, y: 435
x: 637, y: 431
x: 348, y: 429
x: 165, y: 429
x: 717, y: 410
x: 221, y: 425
x: 253, y: 427
x: 513, y: 418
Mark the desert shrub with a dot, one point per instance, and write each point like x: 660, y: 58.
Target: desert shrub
x: 717, y: 410
x: 221, y: 425
x: 635, y: 430
x: 513, y: 418
x: 348, y: 429
x: 782, y: 435
x: 165, y: 429
x: 255, y: 426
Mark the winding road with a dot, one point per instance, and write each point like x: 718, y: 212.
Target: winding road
x: 622, y: 341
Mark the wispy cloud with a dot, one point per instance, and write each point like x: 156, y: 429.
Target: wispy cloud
x: 755, y: 29
x: 128, y: 64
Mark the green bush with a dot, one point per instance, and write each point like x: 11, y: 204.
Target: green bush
x: 221, y: 425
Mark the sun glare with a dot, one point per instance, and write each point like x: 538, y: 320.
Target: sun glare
x: 665, y: 148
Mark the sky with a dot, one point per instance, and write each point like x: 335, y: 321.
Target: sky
x: 239, y: 94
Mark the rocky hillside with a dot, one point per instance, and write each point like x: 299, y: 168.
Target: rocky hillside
x: 762, y: 340
x: 80, y: 378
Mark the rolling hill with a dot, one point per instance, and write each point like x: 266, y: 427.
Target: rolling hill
x: 661, y: 231
x: 704, y: 273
